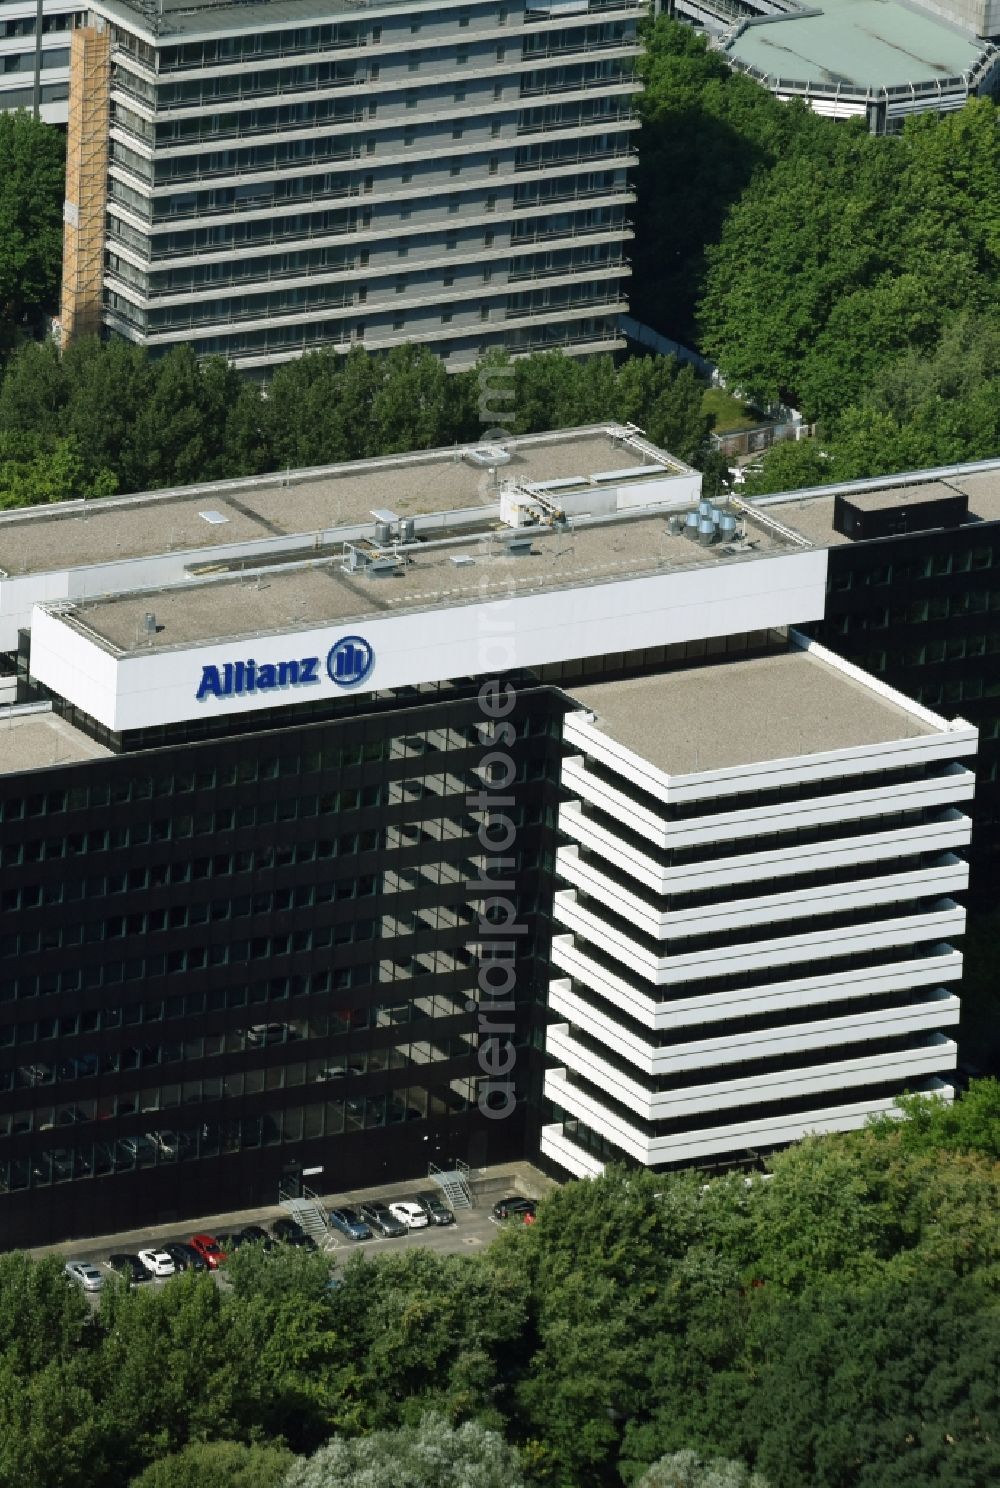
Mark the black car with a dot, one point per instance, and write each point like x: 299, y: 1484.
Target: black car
x: 376, y: 1214
x: 254, y: 1235
x: 435, y: 1208
x: 513, y: 1207
x: 231, y: 1240
x: 184, y: 1257
x: 130, y: 1267
x: 291, y: 1233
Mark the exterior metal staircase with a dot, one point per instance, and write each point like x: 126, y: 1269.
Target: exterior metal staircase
x: 310, y: 1215
x: 453, y: 1183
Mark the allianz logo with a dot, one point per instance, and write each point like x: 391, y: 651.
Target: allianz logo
x: 349, y: 662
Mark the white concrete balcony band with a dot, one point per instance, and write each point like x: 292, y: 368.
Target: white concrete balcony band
x: 882, y: 907
x: 495, y: 293
x: 942, y: 918
x: 936, y: 1008
x: 952, y: 831
x: 375, y: 124
x: 707, y: 1142
x: 569, y: 1156
x: 949, y: 876
x: 939, y: 963
x: 954, y: 784
x: 798, y: 1082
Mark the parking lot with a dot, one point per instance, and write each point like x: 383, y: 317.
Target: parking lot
x: 473, y: 1228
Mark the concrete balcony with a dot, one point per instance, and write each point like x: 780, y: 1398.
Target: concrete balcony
x: 355, y: 192
x: 945, y: 743
x: 940, y: 920
x: 937, y: 1009
x: 948, y: 834
x: 933, y: 1054
x: 730, y: 912
x: 350, y: 312
x: 953, y: 786
x: 733, y: 1138
x: 776, y: 997
x: 560, y: 1149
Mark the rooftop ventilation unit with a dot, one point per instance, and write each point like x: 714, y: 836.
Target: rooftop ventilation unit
x: 486, y: 455
x: 518, y: 546
x: 214, y: 518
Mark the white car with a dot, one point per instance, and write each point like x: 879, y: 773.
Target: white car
x: 157, y: 1262
x: 85, y: 1274
x: 409, y: 1214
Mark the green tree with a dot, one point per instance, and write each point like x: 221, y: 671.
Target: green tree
x: 303, y: 413
x: 706, y: 134
x: 410, y: 408
x: 42, y: 1318
x: 428, y: 1332
x: 626, y: 1290
x: 50, y: 1434
x: 665, y: 399
x: 687, y: 1469
x: 170, y: 1371
x: 280, y: 1314
x: 178, y: 431
x: 108, y: 388
x: 32, y: 474
x: 34, y: 390
x: 849, y: 253
x: 219, y: 1464
x: 790, y: 466
x: 432, y: 1454
x: 32, y: 174
x: 878, y: 1388
x: 930, y: 1124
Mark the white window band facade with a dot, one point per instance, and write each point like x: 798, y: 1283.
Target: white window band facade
x: 751, y: 952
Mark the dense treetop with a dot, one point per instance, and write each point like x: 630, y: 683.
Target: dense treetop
x: 835, y: 1325
x: 31, y: 223
x: 856, y: 278
x: 102, y: 418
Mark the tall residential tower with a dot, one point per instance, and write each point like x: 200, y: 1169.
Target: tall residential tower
x: 289, y: 176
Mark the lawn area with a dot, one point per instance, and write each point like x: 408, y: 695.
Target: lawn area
x: 727, y: 412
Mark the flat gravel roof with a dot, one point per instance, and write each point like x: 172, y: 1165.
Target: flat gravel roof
x: 310, y: 594
x: 745, y: 712
x: 983, y: 492
x: 30, y: 741
x: 812, y: 515
x: 287, y: 504
x: 871, y: 43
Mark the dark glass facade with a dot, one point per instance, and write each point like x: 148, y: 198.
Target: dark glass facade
x: 229, y: 960
x: 922, y: 611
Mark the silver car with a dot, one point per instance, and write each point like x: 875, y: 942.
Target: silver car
x: 85, y: 1274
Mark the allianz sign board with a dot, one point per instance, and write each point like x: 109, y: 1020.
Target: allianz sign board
x: 349, y: 662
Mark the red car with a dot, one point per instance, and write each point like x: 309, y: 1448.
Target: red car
x: 209, y: 1249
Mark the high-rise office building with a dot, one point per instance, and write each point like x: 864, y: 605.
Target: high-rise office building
x: 323, y: 796
x: 34, y: 62
x: 285, y: 176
